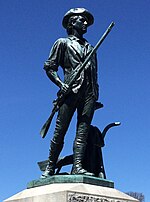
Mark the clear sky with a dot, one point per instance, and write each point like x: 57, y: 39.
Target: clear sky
x: 28, y: 29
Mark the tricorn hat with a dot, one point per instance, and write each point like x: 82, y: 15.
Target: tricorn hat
x: 78, y: 11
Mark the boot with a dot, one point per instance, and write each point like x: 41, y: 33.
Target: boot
x: 78, y: 155
x: 54, y: 152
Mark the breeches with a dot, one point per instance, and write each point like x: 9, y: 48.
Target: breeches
x: 84, y: 102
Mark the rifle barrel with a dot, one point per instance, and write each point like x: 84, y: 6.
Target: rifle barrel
x: 99, y: 43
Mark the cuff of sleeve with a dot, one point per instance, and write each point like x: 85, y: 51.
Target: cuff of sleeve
x: 50, y: 66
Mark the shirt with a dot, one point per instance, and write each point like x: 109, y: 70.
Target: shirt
x: 69, y: 53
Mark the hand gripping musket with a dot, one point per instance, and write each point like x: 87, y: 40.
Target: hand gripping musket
x: 72, y: 78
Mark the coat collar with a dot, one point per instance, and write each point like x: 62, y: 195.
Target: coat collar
x: 76, y: 44
x: 82, y: 42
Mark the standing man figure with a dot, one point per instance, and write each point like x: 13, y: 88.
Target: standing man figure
x: 69, y: 53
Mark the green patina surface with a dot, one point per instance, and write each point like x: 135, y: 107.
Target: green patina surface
x: 71, y: 179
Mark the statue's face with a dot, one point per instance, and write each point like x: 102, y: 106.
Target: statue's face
x: 80, y: 25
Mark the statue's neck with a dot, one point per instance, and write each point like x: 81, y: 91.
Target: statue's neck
x: 77, y: 34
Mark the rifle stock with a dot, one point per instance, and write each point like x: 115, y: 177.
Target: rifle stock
x: 47, y: 124
x: 61, y: 97
x: 57, y: 104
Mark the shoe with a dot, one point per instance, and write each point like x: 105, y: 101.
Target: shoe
x: 81, y: 171
x: 47, y: 173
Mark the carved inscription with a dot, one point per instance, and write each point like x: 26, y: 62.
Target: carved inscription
x: 79, y: 197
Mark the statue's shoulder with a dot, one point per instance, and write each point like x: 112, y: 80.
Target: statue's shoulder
x: 62, y: 41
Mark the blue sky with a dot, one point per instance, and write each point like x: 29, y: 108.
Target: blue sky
x: 27, y: 31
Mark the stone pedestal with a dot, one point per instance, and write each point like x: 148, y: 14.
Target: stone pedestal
x: 71, y: 189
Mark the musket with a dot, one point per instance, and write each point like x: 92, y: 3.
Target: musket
x: 72, y: 78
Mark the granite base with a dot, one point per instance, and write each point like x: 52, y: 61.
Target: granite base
x: 71, y: 189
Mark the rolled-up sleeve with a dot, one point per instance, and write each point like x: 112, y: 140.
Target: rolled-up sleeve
x: 56, y: 56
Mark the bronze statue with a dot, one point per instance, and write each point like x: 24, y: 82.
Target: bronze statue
x: 70, y: 53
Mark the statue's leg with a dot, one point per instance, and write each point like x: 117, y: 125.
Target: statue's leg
x: 54, y: 152
x: 85, y: 115
x: 78, y: 154
x: 62, y: 123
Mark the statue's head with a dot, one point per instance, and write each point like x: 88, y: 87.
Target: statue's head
x: 75, y: 14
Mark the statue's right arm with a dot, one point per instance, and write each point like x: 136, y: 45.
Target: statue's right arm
x: 55, y: 60
x: 54, y: 77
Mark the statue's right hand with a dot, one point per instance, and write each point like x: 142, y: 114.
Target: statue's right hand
x: 64, y: 88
